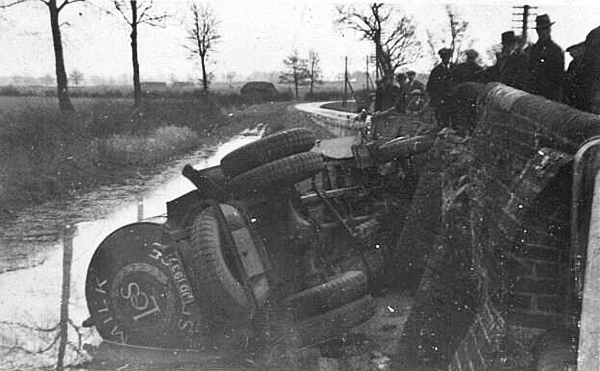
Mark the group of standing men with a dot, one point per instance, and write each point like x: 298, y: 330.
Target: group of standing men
x: 537, y: 69
x: 397, y: 95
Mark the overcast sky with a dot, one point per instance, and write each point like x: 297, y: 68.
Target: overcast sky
x: 256, y: 35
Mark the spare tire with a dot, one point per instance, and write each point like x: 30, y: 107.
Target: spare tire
x: 137, y: 291
x: 212, y: 269
x: 339, y: 291
x: 267, y: 149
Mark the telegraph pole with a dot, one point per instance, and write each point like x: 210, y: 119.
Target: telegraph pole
x: 523, y: 19
x: 345, y: 100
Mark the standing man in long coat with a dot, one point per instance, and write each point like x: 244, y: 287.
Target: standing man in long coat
x: 546, y: 62
x: 439, y: 86
x: 591, y: 72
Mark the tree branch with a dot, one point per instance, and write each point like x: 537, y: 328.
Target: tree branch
x: 67, y: 2
x: 119, y: 6
x: 27, y: 327
x: 12, y: 3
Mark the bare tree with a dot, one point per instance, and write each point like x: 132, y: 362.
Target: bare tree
x: 203, y: 36
x: 457, y: 38
x: 458, y: 30
x: 76, y: 76
x: 230, y: 75
x: 136, y: 13
x: 54, y: 9
x: 394, y: 36
x: 47, y: 80
x: 296, y: 71
x: 314, y: 69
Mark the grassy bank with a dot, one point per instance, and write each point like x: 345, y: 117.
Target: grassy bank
x: 46, y: 154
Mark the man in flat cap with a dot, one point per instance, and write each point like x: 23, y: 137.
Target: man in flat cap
x: 439, y: 87
x: 546, y: 62
x: 469, y: 70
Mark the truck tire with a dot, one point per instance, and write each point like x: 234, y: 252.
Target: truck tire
x: 137, y: 292
x: 336, y: 322
x: 280, y: 173
x: 267, y: 149
x: 212, y: 271
x: 341, y: 290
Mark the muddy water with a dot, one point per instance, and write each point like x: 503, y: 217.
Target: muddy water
x: 30, y: 286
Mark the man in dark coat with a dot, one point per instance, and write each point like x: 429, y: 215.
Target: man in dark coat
x: 412, y: 83
x: 468, y: 70
x: 574, y: 84
x: 591, y: 71
x: 512, y: 66
x: 546, y: 62
x: 401, y: 80
x: 410, y: 89
x: 439, y: 87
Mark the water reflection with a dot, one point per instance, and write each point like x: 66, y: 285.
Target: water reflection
x: 30, y: 298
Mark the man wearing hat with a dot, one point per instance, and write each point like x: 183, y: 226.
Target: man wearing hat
x: 412, y: 83
x: 439, y: 87
x: 468, y: 70
x: 512, y: 66
x: 591, y: 72
x: 546, y: 62
x: 411, y: 86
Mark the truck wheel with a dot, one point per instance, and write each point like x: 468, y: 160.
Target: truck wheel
x: 267, y: 149
x: 213, y: 270
x: 137, y: 292
x: 341, y: 290
x: 280, y: 173
x: 336, y: 322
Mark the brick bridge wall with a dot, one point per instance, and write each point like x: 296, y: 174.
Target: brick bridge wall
x: 498, y: 270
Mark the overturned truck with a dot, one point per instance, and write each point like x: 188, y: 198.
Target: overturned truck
x: 283, y: 244
x: 280, y: 240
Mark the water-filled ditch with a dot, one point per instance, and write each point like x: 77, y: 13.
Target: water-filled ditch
x: 31, y: 259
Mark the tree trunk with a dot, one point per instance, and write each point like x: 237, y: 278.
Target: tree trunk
x: 137, y: 90
x: 296, y: 81
x: 204, y: 76
x: 296, y: 87
x: 64, y: 101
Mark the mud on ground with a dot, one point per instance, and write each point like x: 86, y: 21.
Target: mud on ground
x: 369, y: 346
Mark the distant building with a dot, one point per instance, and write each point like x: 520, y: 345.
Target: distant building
x: 259, y: 91
x: 147, y: 86
x: 182, y: 84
